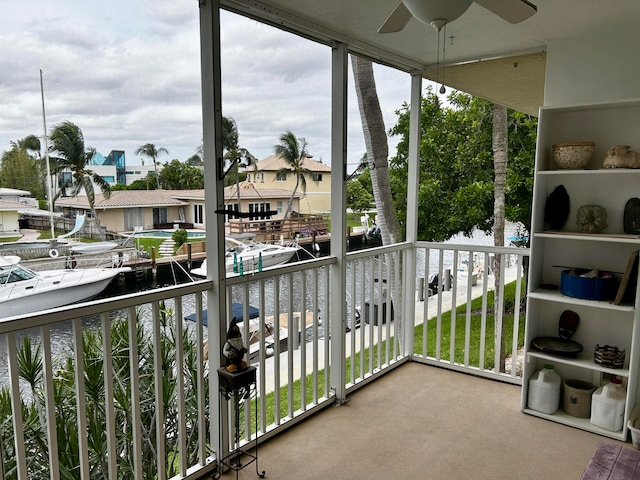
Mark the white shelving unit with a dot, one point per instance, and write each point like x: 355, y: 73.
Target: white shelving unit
x: 601, y: 322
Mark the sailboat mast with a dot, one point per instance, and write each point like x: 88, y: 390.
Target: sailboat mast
x: 46, y: 159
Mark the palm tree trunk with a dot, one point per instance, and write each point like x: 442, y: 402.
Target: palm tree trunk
x: 500, y: 160
x: 375, y: 139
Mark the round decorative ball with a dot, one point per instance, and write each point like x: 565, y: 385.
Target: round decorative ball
x: 573, y: 155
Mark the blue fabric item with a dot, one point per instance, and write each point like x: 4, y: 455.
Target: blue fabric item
x: 237, y: 312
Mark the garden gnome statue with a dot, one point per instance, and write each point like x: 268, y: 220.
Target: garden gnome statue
x: 233, y: 348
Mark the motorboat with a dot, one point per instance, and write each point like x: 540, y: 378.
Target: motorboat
x: 23, y: 290
x: 249, y: 256
x: 253, y: 325
x: 254, y: 338
x: 94, y: 247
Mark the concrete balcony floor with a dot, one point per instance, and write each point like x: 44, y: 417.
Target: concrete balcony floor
x: 423, y: 422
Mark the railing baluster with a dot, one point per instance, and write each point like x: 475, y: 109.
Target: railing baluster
x: 276, y: 347
x: 303, y: 341
x: 291, y: 344
x: 467, y: 331
x: 427, y: 299
x: 49, y: 403
x: 327, y: 332
x: 316, y: 344
x: 158, y: 394
x: 454, y: 292
x: 483, y: 319
x: 363, y: 313
x: 136, y: 414
x: 353, y: 270
x: 81, y: 403
x: 16, y: 407
x: 109, y: 407
x: 262, y: 332
x: 181, y: 410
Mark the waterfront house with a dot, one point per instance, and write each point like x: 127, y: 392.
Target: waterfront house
x: 266, y: 176
x: 397, y: 416
x: 125, y: 210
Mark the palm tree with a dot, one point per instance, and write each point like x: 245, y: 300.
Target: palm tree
x: 293, y: 151
x: 235, y: 154
x: 500, y: 161
x: 149, y: 150
x: 375, y: 139
x: 67, y: 142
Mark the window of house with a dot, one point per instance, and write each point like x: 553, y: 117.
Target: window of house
x: 160, y: 215
x: 258, y: 207
x: 316, y: 177
x: 281, y: 177
x: 231, y: 206
x: 198, y: 213
x: 279, y: 206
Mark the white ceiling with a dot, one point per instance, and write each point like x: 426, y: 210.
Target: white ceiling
x: 476, y: 46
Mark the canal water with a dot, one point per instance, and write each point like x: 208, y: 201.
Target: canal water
x: 61, y: 333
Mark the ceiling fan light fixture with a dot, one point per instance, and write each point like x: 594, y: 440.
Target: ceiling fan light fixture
x: 428, y: 11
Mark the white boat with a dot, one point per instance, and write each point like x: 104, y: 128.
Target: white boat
x: 23, y: 290
x: 249, y: 256
x: 253, y: 342
x: 93, y: 247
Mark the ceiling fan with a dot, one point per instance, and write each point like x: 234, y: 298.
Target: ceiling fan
x: 440, y: 12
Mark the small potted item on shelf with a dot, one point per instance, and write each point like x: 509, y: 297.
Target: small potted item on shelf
x: 588, y: 284
x: 574, y: 155
x: 621, y: 156
x: 591, y: 218
x: 609, y: 356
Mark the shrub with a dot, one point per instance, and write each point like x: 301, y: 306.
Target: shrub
x: 180, y: 236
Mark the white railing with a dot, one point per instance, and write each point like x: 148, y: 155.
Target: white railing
x: 467, y: 341
x: 65, y: 413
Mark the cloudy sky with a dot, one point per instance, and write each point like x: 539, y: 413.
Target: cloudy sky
x: 128, y: 73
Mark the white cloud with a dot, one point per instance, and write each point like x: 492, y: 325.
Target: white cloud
x: 128, y: 73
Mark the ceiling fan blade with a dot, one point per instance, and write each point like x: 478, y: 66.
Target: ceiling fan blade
x: 397, y: 20
x: 513, y: 11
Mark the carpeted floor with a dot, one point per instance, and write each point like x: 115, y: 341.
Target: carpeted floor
x: 421, y: 422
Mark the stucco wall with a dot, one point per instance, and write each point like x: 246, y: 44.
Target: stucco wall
x: 597, y: 68
x: 318, y: 195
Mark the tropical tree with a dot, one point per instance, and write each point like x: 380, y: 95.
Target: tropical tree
x: 149, y: 150
x: 358, y: 198
x: 177, y: 175
x: 234, y: 154
x: 375, y: 139
x: 456, y: 188
x: 67, y: 141
x: 21, y: 167
x: 293, y: 151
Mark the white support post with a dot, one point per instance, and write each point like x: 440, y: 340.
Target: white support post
x: 338, y: 305
x: 409, y: 265
x: 214, y: 200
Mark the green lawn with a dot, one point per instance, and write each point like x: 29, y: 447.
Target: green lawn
x: 474, y: 351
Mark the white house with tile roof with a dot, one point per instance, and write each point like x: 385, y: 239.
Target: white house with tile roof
x: 317, y: 197
x: 125, y: 210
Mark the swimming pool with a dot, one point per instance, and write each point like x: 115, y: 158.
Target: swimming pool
x: 191, y: 234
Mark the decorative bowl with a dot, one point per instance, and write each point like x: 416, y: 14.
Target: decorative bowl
x: 573, y: 155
